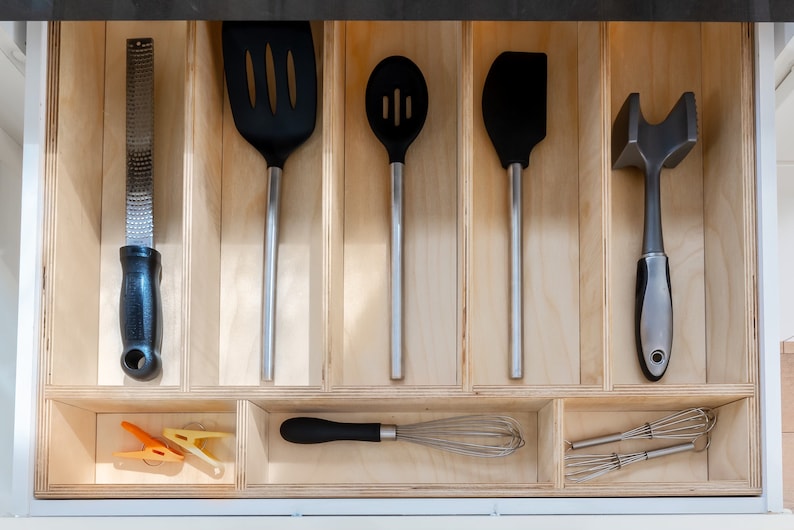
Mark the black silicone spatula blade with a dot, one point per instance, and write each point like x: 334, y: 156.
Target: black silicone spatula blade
x: 514, y: 112
x: 514, y: 105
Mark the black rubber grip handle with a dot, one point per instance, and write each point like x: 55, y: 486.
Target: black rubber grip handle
x: 316, y: 430
x: 141, y: 312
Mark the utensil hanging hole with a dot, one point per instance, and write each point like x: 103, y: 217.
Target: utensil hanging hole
x: 385, y: 107
x: 408, y: 108
x: 135, y: 359
x: 270, y: 70
x: 293, y: 90
x: 657, y: 357
x: 249, y: 77
x: 396, y: 107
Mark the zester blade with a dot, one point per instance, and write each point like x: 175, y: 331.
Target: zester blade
x: 140, y: 142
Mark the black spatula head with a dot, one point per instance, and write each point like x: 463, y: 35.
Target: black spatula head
x: 274, y: 132
x: 396, y: 104
x: 514, y: 105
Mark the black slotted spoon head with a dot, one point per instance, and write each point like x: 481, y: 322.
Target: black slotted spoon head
x: 274, y: 131
x: 396, y: 76
x: 396, y: 104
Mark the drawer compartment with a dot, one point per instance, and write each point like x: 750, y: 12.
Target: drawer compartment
x: 582, y: 231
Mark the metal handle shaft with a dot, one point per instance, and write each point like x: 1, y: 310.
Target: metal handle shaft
x: 664, y: 451
x: 590, y: 442
x: 396, y: 274
x: 516, y: 319
x: 269, y: 283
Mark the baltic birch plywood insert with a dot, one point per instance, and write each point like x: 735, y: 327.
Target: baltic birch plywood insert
x: 430, y: 259
x: 86, y: 190
x: 582, y: 226
x: 706, y: 214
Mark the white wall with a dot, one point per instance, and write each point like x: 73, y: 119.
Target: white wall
x: 10, y: 196
x: 785, y: 211
x: 784, y: 124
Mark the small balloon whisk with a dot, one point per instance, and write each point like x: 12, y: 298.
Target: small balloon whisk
x: 686, y: 426
x: 689, y: 425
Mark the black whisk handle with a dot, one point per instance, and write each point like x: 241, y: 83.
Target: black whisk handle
x: 316, y: 430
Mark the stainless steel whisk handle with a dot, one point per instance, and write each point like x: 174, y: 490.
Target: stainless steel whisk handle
x: 674, y: 449
x: 598, y: 440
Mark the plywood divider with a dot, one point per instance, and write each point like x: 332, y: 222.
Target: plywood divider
x: 73, y: 446
x: 592, y: 67
x: 333, y: 201
x: 255, y: 444
x: 204, y: 90
x: 465, y: 199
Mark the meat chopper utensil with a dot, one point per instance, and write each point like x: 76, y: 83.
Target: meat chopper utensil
x: 477, y: 435
x: 649, y: 147
x: 514, y: 112
x: 140, y: 306
x: 688, y: 424
x: 275, y: 131
x: 396, y: 104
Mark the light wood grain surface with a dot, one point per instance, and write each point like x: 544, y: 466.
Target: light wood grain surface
x: 581, y: 241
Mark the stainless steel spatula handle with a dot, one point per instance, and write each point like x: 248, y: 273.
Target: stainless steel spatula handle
x: 270, y: 260
x: 397, y: 231
x: 516, y: 318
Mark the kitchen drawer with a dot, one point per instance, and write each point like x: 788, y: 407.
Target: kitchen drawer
x: 581, y: 239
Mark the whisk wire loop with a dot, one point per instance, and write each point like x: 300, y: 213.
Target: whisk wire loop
x: 477, y: 435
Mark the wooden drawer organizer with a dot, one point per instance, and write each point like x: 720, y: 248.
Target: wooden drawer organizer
x: 582, y: 233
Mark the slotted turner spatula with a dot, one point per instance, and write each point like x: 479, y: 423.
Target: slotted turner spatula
x: 396, y: 103
x: 275, y: 131
x: 514, y: 112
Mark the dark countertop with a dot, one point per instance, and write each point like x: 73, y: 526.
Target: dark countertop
x: 647, y: 10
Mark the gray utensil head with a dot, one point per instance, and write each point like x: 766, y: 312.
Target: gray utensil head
x: 635, y: 142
